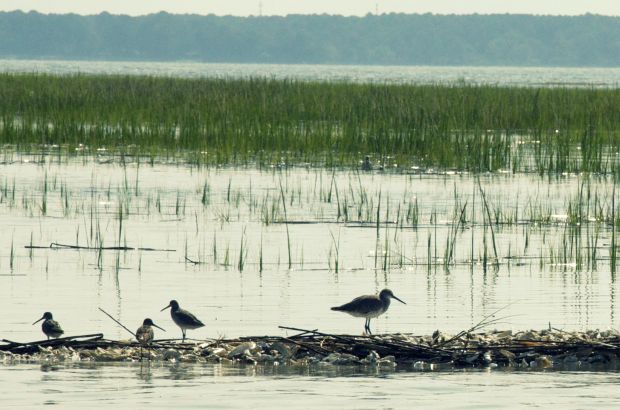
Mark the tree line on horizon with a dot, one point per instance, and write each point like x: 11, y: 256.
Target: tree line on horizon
x: 388, y: 39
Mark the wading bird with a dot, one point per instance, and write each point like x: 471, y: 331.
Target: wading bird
x: 50, y: 327
x: 368, y: 306
x: 145, y: 334
x: 184, y: 319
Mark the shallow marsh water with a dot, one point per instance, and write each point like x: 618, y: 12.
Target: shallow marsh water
x: 539, y: 278
x: 206, y: 214
x: 534, y: 283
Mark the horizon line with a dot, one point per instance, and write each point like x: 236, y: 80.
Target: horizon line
x: 105, y: 12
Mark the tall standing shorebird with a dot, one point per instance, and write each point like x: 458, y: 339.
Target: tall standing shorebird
x: 50, y: 327
x: 145, y: 334
x: 368, y: 306
x: 184, y: 319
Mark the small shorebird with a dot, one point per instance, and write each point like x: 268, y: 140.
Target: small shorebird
x: 368, y: 306
x: 184, y: 319
x: 50, y: 327
x: 145, y: 334
x: 366, y: 165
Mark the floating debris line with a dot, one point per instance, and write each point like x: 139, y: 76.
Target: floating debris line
x: 550, y: 348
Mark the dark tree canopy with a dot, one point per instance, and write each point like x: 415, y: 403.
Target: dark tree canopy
x: 391, y: 39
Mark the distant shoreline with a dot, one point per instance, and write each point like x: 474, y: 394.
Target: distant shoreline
x: 388, y: 39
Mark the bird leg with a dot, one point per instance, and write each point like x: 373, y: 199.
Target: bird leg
x: 367, y: 326
x: 183, y: 330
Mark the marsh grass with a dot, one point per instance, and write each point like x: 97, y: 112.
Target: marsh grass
x: 278, y: 122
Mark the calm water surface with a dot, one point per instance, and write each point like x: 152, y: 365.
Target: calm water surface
x: 165, y: 207
x: 528, y: 76
x: 220, y: 387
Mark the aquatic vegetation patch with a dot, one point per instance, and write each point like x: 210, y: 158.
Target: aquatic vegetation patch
x: 278, y: 122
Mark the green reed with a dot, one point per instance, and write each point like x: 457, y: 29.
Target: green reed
x: 243, y: 251
x: 12, y: 255
x: 288, y: 235
x: 335, y: 249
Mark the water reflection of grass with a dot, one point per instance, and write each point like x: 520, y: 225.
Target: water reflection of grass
x: 264, y: 121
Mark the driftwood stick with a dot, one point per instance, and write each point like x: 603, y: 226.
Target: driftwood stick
x: 307, y: 346
x: 405, y: 346
x: 55, y: 245
x: 11, y: 343
x: 68, y: 340
x: 486, y: 321
x: 588, y: 341
x: 60, y: 339
x: 192, y: 341
x: 318, y: 333
x: 303, y: 333
x: 192, y: 261
x: 119, y: 323
x: 111, y: 248
x: 377, y: 344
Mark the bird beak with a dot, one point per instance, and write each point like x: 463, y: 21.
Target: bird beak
x: 165, y: 308
x: 38, y: 321
x: 399, y: 300
x: 159, y: 327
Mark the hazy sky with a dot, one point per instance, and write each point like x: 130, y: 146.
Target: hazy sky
x: 345, y: 7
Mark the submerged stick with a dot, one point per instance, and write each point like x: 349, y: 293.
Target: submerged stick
x: 119, y: 323
x: 55, y: 245
x: 193, y: 261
